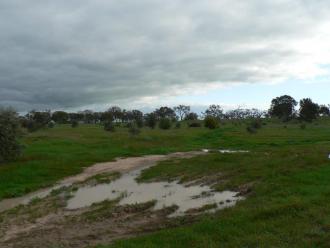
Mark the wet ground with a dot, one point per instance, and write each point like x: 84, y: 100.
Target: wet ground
x: 99, y: 206
x: 166, y: 194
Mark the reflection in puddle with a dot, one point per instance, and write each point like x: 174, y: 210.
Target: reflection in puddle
x: 225, y: 151
x: 165, y: 193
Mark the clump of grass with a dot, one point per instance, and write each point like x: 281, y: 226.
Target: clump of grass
x: 134, y: 130
x: 103, y: 178
x: 109, y: 126
x: 35, y: 200
x: 56, y: 192
x: 194, y: 124
x: 109, y: 209
x: 254, y: 125
x: 100, y: 210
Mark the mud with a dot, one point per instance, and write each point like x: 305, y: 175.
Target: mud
x: 121, y: 165
x: 63, y: 219
x: 165, y: 194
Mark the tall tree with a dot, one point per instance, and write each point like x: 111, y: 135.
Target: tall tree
x: 37, y: 119
x: 182, y: 111
x: 191, y: 116
x: 151, y: 120
x: 116, y: 113
x: 165, y: 112
x: 137, y: 117
x: 88, y: 116
x: 76, y: 117
x: 324, y: 110
x: 214, y: 111
x: 60, y: 117
x: 106, y: 116
x: 308, y: 110
x: 283, y: 107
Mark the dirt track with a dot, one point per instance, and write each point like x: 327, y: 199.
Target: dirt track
x: 46, y: 222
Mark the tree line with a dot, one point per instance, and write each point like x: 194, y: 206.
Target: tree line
x: 283, y: 108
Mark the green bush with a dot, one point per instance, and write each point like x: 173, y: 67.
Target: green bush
x: 109, y: 126
x: 178, y: 125
x: 194, y: 124
x: 251, y: 130
x: 256, y: 123
x: 165, y: 123
x: 134, y: 130
x: 211, y: 122
x: 9, y: 135
x: 51, y: 124
x: 74, y: 124
x: 139, y: 123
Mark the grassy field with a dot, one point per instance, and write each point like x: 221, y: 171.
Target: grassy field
x: 287, y: 167
x: 52, y: 154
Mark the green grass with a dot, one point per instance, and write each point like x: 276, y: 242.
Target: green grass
x: 56, y: 153
x: 63, y: 151
x: 289, y: 205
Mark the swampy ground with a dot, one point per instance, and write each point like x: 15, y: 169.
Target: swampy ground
x: 286, y: 177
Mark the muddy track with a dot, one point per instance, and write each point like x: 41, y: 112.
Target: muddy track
x: 47, y: 223
x: 121, y: 165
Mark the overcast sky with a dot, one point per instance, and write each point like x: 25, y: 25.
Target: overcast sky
x: 81, y: 54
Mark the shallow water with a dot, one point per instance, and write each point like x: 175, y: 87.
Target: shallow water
x: 166, y: 194
x: 23, y: 200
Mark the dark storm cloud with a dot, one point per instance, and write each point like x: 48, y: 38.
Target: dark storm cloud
x: 63, y: 54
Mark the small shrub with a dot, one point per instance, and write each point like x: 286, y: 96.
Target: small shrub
x: 303, y: 126
x: 139, y: 123
x: 211, y: 122
x: 165, y: 123
x: 251, y: 130
x: 256, y: 124
x: 178, y: 125
x: 134, y: 130
x: 31, y: 125
x: 109, y: 126
x: 51, y: 124
x: 194, y: 124
x: 74, y: 124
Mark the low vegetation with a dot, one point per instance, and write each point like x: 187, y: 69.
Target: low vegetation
x: 287, y: 204
x: 284, y: 176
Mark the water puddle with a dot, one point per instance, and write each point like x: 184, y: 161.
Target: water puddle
x: 224, y: 151
x: 166, y: 194
x: 26, y: 199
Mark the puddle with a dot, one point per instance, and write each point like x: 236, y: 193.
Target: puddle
x: 166, y: 194
x: 224, y: 151
x: 233, y: 151
x: 119, y: 165
x: 23, y: 200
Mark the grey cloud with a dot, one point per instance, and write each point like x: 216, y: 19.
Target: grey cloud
x: 64, y: 54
